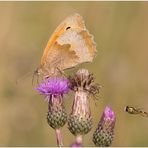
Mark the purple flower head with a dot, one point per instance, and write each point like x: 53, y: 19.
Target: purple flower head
x: 54, y: 86
x: 108, y: 119
x: 76, y: 145
x: 109, y: 114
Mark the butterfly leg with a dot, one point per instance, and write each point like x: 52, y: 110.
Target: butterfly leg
x: 61, y: 71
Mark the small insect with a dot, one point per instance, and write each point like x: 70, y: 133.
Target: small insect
x: 135, y: 111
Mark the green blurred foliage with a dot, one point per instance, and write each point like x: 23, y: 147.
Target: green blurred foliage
x: 120, y: 30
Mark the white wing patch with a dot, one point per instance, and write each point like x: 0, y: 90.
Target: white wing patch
x: 82, y: 44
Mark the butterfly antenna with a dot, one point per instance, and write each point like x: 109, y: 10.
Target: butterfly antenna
x: 23, y: 77
x: 35, y: 74
x: 33, y: 77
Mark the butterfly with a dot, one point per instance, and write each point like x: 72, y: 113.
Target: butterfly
x: 135, y: 111
x: 70, y: 45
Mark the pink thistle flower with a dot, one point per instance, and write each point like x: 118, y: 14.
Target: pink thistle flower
x: 103, y: 136
x: 54, y: 86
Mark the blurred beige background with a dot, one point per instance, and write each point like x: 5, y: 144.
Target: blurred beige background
x: 120, y: 30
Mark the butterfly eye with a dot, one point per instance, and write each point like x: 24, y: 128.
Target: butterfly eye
x: 68, y: 28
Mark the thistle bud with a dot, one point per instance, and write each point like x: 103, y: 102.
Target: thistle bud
x: 103, y: 136
x: 53, y: 89
x: 80, y: 120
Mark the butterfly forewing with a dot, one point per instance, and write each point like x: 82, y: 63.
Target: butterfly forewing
x: 72, y: 22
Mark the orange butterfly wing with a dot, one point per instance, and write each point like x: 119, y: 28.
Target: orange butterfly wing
x: 70, y: 45
x: 74, y: 21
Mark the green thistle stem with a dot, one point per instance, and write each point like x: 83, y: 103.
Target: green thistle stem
x: 59, y: 137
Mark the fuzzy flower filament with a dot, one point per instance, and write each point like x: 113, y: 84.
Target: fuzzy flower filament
x: 53, y: 87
